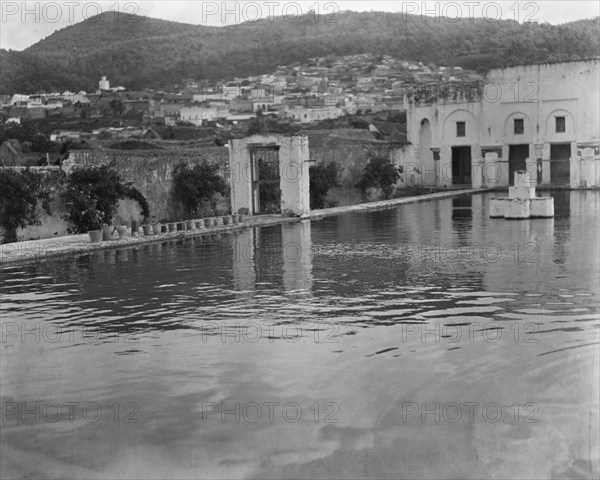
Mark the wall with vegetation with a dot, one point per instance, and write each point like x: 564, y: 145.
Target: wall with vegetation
x: 53, y: 224
x: 151, y: 172
x: 352, y: 157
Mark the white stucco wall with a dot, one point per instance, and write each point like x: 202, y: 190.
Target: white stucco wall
x: 535, y: 93
x: 293, y: 171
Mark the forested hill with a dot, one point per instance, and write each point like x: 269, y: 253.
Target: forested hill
x: 138, y: 52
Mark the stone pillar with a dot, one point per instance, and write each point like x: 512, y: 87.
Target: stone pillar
x: 476, y: 166
x: 504, y: 170
x: 592, y: 162
x: 546, y: 164
x: 575, y: 172
x: 294, y: 176
x: 588, y: 171
x: 477, y: 173
x: 240, y: 178
x: 492, y: 173
x: 445, y: 163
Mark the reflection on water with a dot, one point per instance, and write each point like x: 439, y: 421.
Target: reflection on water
x: 427, y: 341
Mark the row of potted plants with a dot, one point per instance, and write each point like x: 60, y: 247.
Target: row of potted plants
x: 106, y: 232
x: 155, y: 228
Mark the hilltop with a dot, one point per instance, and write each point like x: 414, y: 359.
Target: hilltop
x: 139, y: 52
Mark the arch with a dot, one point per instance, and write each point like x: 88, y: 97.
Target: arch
x: 449, y: 133
x: 425, y: 153
x: 550, y: 133
x: 527, y: 127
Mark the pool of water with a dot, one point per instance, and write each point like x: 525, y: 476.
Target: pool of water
x: 426, y: 341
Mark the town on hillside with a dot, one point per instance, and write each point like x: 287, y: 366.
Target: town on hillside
x: 362, y: 91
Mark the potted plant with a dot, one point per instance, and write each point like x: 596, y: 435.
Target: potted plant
x: 122, y: 231
x: 208, y: 222
x: 226, y: 219
x: 107, y: 231
x: 147, y: 229
x: 95, y: 236
x: 155, y: 225
x: 172, y: 227
x: 190, y: 225
x: 92, y: 218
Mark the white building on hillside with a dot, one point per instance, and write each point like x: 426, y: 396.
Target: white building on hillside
x: 103, y: 84
x: 314, y: 114
x: 197, y: 114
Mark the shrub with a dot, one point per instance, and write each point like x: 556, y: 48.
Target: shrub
x: 379, y: 173
x: 197, y: 185
x: 104, y: 135
x: 92, y: 195
x: 323, y: 176
x: 264, y: 124
x: 29, y: 134
x: 19, y: 195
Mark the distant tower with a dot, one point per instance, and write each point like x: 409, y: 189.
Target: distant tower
x: 103, y: 84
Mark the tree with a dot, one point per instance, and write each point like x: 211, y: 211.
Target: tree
x: 198, y: 184
x: 258, y: 124
x: 379, y: 173
x: 92, y: 196
x: 19, y: 195
x: 263, y: 124
x: 117, y: 106
x: 323, y: 177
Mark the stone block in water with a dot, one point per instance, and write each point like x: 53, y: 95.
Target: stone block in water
x: 521, y: 191
x: 517, y: 208
x: 497, y: 206
x: 542, y: 207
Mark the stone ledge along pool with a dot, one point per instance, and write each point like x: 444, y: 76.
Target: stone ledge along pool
x: 422, y: 341
x: 42, y: 249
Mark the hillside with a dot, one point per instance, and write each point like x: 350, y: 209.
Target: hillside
x: 139, y: 52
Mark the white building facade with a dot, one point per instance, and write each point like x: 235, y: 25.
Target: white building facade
x: 197, y: 114
x: 543, y: 118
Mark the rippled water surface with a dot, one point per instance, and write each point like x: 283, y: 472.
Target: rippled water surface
x: 427, y: 341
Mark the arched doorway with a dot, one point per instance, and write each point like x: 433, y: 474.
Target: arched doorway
x: 425, y: 154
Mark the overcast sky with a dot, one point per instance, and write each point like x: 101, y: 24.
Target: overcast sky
x: 25, y: 23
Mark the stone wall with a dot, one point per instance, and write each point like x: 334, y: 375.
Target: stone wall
x: 151, y: 171
x: 352, y: 158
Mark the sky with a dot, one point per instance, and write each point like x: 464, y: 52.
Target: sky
x: 24, y: 23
